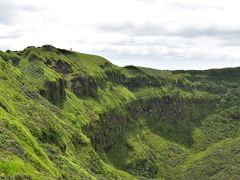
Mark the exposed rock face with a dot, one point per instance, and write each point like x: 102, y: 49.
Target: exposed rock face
x: 34, y: 57
x: 108, y: 129
x: 158, y: 111
x: 143, y: 81
x: 54, y: 91
x: 52, y: 136
x: 62, y: 67
x: 171, y: 117
x: 83, y: 86
x: 116, y: 76
x: 50, y: 48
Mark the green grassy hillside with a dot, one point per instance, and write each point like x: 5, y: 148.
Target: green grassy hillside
x: 68, y: 115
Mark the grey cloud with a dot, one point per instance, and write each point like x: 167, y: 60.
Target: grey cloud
x: 4, y: 47
x: 6, y: 13
x: 12, y: 35
x: 142, y: 41
x: 194, y: 6
x: 231, y: 42
x: 145, y: 1
x: 171, y: 60
x: 184, y: 44
x: 129, y: 28
x: 209, y: 31
x: 9, y: 10
x: 151, y: 53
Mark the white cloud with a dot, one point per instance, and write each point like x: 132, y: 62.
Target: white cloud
x: 168, y: 34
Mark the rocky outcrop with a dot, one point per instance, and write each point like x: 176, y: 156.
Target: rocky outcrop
x: 84, y: 86
x: 52, y: 136
x: 54, y: 91
x: 107, y: 130
x: 161, y: 114
x: 62, y: 67
x: 116, y: 76
x: 143, y: 81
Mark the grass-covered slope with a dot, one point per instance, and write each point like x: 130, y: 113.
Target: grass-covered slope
x: 68, y: 115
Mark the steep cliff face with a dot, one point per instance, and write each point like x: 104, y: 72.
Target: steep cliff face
x: 68, y: 115
x: 172, y: 117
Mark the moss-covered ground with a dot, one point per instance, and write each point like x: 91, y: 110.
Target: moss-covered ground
x: 69, y: 115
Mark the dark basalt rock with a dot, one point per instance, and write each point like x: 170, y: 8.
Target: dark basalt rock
x: 52, y: 136
x: 168, y: 110
x: 4, y: 56
x: 84, y: 86
x: 142, y: 81
x: 115, y: 76
x: 54, y: 91
x: 65, y: 52
x: 62, y: 67
x: 134, y: 69
x: 50, y: 48
x: 34, y: 57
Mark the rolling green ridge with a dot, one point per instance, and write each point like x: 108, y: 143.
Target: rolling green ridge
x: 69, y: 115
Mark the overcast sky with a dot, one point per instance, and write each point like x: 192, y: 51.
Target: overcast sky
x: 162, y: 34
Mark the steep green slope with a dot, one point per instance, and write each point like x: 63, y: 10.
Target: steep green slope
x: 68, y: 115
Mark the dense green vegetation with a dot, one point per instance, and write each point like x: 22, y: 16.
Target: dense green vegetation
x: 68, y: 115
